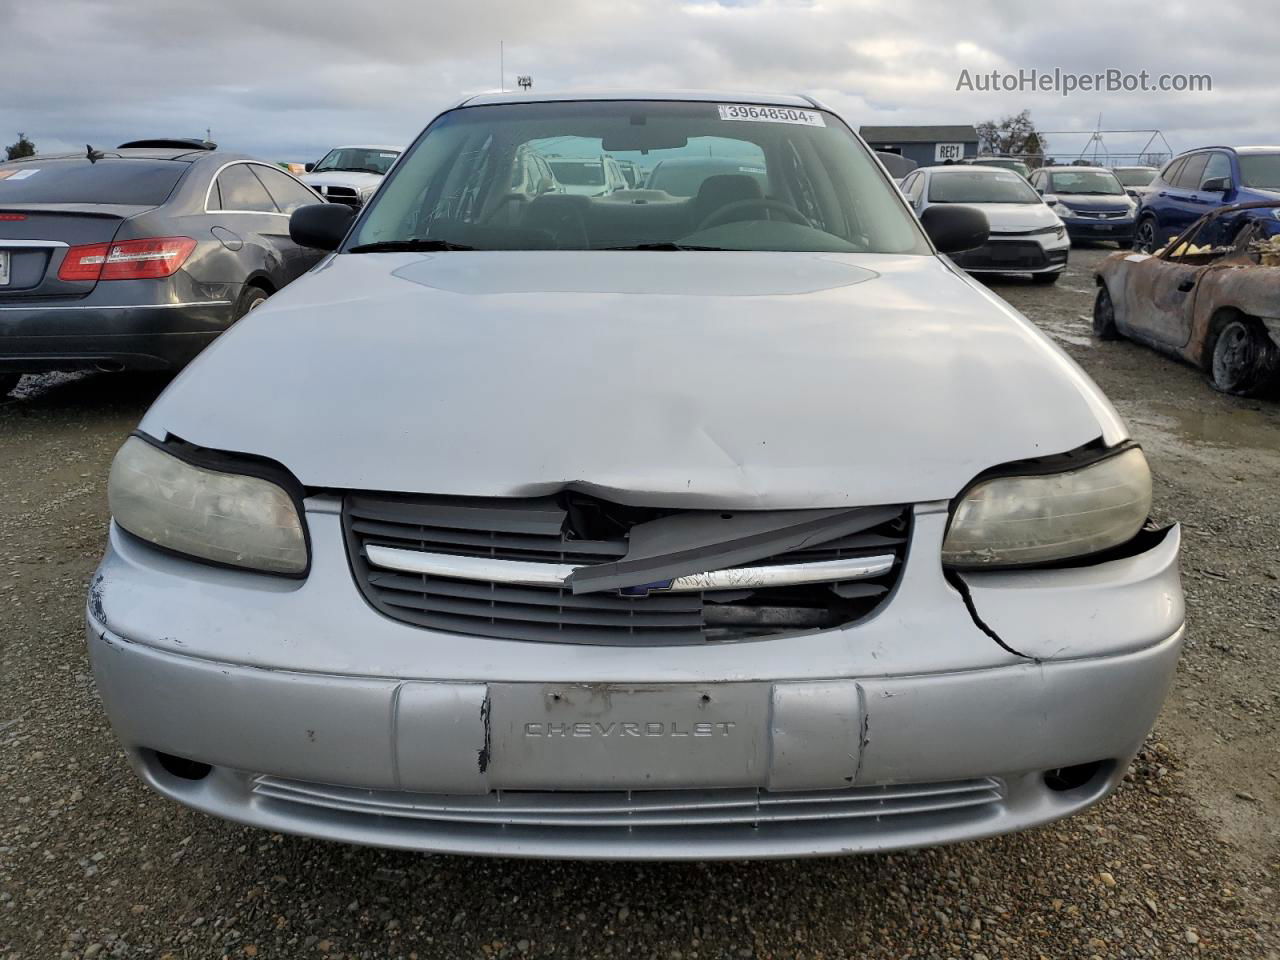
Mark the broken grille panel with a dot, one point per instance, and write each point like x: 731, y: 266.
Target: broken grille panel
x: 559, y: 534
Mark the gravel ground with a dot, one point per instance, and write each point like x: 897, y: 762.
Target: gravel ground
x: 1181, y: 862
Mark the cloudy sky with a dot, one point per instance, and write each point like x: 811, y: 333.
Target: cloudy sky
x: 285, y: 79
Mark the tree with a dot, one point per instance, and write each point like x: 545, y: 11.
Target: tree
x: 23, y: 148
x: 1015, y: 136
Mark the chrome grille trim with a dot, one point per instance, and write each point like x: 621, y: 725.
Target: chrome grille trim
x: 637, y: 809
x: 497, y: 568
x: 523, y: 573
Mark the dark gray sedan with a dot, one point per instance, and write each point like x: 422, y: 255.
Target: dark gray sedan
x: 136, y: 258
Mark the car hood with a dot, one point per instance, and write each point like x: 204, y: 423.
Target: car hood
x: 1093, y: 201
x: 343, y: 178
x: 659, y: 378
x: 1016, y: 217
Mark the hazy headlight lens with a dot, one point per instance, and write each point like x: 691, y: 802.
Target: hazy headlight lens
x: 1033, y: 519
x: 1062, y: 210
x: 223, y: 517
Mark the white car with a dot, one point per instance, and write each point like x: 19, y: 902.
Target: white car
x: 350, y: 174
x: 742, y: 524
x: 1026, y: 235
x: 588, y: 177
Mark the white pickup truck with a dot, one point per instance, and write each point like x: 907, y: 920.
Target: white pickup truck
x: 350, y: 174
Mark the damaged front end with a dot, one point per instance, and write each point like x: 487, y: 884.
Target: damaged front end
x: 576, y: 569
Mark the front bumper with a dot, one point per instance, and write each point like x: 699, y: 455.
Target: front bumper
x: 1119, y: 229
x: 129, y: 324
x: 321, y: 717
x: 1016, y: 253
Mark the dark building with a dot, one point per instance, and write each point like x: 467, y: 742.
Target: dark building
x: 925, y: 145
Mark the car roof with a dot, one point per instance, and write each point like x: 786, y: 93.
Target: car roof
x: 969, y: 168
x: 1243, y: 150
x: 143, y: 153
x: 709, y: 96
x: 1070, y: 166
x: 367, y: 146
x: 1133, y: 166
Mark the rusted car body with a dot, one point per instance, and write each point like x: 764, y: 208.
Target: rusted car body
x: 1211, y: 297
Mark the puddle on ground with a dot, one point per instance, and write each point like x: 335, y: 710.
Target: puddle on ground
x: 1218, y: 426
x: 1068, y: 331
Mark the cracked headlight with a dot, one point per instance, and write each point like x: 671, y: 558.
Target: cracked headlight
x: 1038, y: 518
x: 220, y: 516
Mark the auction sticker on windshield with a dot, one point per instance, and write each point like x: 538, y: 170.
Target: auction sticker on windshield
x: 742, y: 111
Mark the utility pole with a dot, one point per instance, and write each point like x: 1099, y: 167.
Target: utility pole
x: 502, y: 70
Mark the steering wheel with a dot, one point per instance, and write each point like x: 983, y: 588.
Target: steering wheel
x: 726, y: 213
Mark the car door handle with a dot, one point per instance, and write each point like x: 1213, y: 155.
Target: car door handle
x: 1186, y: 286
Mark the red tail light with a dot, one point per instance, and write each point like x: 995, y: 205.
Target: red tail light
x: 12, y: 217
x: 128, y: 260
x: 84, y: 262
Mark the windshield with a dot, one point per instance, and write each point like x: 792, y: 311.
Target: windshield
x: 360, y: 159
x: 1098, y: 182
x: 579, y: 173
x: 973, y: 186
x: 712, y: 176
x: 1017, y: 166
x: 1261, y: 170
x: 1135, y: 176
x: 683, y: 177
x: 110, y: 180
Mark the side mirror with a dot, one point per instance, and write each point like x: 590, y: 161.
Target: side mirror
x: 953, y: 228
x: 308, y: 167
x: 1040, y: 190
x: 320, y: 225
x: 1216, y: 185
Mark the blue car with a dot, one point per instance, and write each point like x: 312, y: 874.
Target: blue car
x: 1193, y: 183
x: 1090, y: 201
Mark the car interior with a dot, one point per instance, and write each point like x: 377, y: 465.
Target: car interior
x: 1238, y: 237
x: 770, y: 189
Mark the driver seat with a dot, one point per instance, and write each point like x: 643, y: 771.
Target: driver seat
x: 721, y: 190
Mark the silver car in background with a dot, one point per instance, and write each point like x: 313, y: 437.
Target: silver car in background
x: 1026, y: 236
x: 738, y: 524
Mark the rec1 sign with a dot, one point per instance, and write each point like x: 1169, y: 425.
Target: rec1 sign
x: 947, y: 151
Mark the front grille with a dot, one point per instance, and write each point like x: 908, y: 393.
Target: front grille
x: 641, y: 809
x: 553, y: 534
x: 345, y: 195
x: 1004, y: 255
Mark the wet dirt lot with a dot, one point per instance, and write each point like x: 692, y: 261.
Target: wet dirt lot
x: 1184, y: 861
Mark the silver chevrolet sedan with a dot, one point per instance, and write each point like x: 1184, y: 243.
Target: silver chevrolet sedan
x: 721, y: 519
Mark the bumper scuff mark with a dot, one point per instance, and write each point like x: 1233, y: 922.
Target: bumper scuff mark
x: 486, y: 721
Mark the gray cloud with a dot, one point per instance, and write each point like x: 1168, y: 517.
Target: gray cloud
x: 287, y: 78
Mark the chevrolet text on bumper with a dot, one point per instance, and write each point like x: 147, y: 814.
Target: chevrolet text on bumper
x: 659, y: 552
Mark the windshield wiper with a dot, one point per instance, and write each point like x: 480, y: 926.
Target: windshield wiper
x: 662, y: 245
x: 413, y: 243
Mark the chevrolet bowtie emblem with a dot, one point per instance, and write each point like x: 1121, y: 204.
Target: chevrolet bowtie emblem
x: 642, y: 590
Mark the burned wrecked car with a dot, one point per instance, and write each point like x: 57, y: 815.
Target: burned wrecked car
x: 1211, y: 296
x: 730, y: 523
